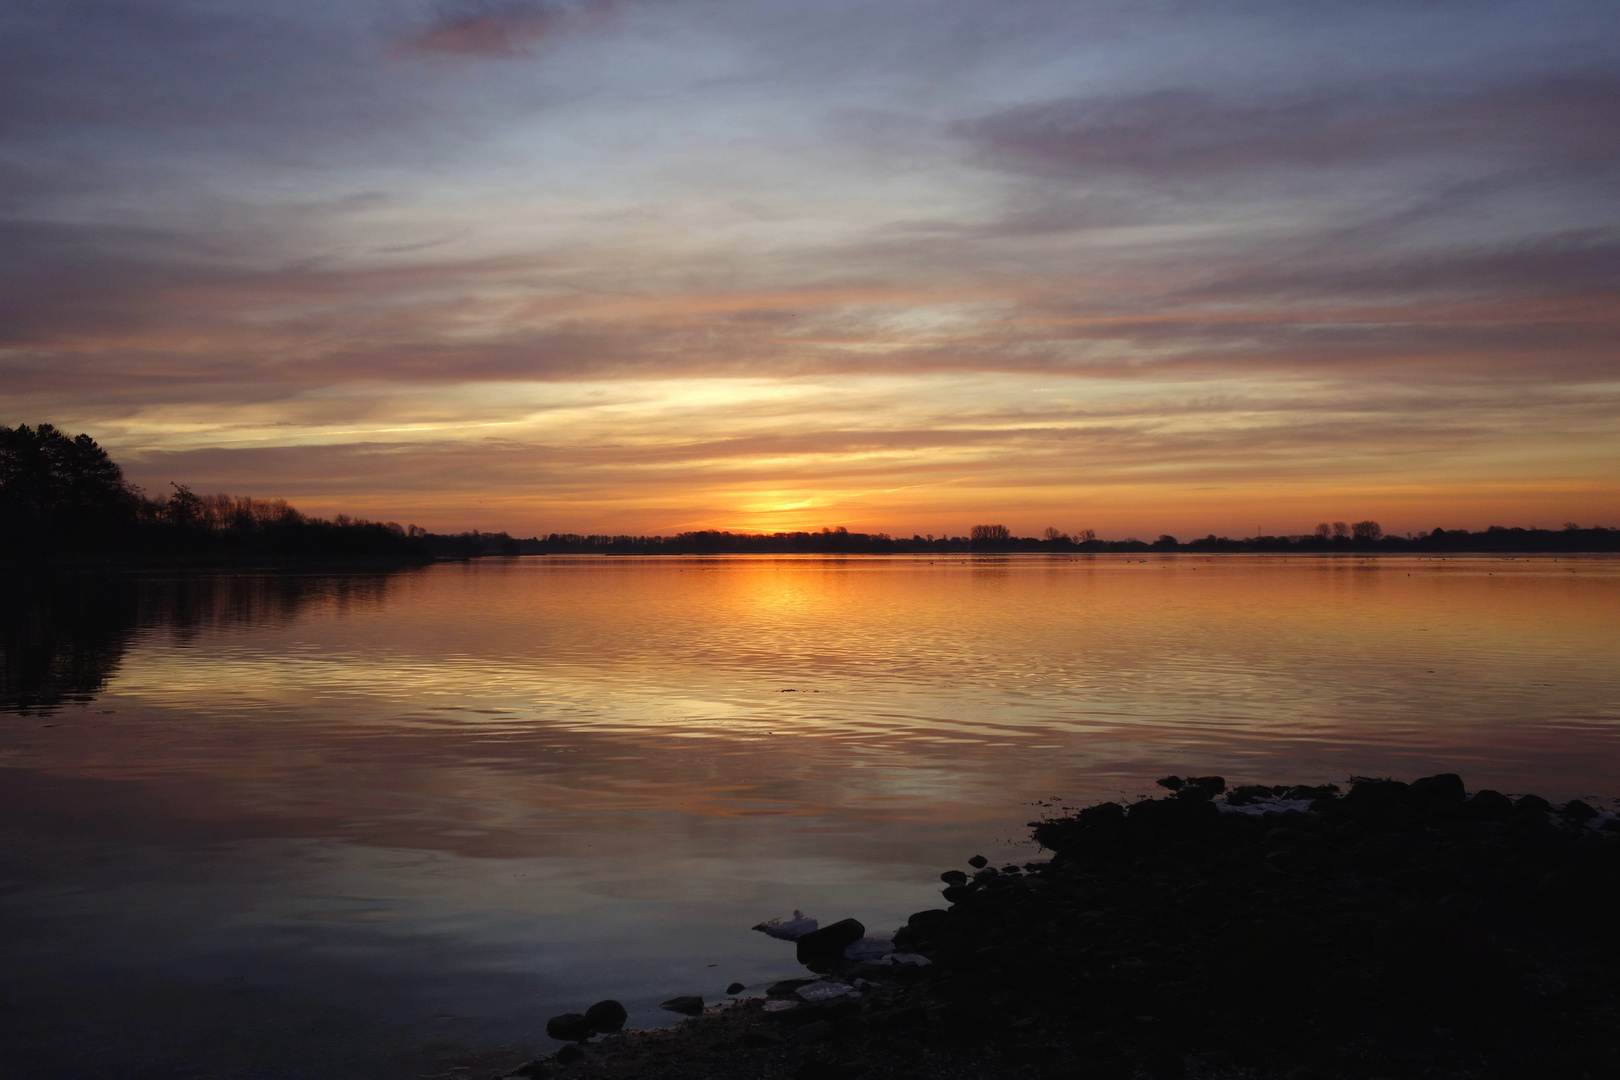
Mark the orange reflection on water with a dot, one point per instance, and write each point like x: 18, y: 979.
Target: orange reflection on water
x: 573, y: 778
x: 853, y: 687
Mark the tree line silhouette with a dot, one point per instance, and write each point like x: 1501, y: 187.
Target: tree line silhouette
x: 63, y: 497
x: 998, y: 538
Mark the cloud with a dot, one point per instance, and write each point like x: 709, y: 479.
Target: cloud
x: 1192, y: 134
x: 502, y: 28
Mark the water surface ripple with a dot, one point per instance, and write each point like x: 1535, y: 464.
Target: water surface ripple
x: 347, y: 825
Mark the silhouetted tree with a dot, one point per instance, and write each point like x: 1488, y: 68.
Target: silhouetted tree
x: 1367, y: 531
x: 1324, y: 531
x: 62, y: 496
x: 59, y: 493
x: 991, y: 532
x: 1341, y: 531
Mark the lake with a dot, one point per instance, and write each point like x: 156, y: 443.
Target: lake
x: 260, y: 824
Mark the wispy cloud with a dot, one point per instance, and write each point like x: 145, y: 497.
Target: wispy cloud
x: 503, y: 28
x: 1188, y: 135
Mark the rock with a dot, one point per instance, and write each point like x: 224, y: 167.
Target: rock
x: 867, y: 949
x: 927, y: 922
x: 570, y: 1054
x: 1579, y: 892
x: 1380, y: 803
x: 1447, y: 786
x: 1490, y: 805
x: 978, y: 862
x: 813, y: 1032
x: 786, y: 987
x: 1215, y: 785
x: 954, y: 877
x: 529, y: 1069
x: 829, y: 943
x: 1171, y: 782
x: 606, y: 1015
x: 736, y: 988
x: 1248, y: 794
x: 787, y: 929
x: 1173, y: 815
x: 816, y: 1069
x: 1532, y: 805
x: 687, y: 1006
x: 819, y: 990
x: 570, y: 1027
x: 1193, y: 793
x: 1163, y: 1064
x: 907, y: 1016
x: 905, y: 959
x: 1576, y: 810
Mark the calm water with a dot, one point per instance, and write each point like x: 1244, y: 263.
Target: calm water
x: 275, y: 825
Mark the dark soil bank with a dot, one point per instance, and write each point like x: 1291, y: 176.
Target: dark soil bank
x: 1393, y: 930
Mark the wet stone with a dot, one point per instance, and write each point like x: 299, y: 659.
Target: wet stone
x: 1491, y: 805
x: 1447, y: 786
x: 690, y: 1005
x: 736, y: 988
x: 1576, y: 810
x: 1248, y: 795
x: 786, y: 988
x: 928, y: 921
x: 828, y: 943
x: 606, y: 1016
x: 570, y: 1027
x: 1532, y: 805
x: 978, y: 862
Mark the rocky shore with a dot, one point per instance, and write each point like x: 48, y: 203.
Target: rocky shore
x: 1384, y: 930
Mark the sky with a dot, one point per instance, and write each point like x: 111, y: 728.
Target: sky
x: 655, y: 265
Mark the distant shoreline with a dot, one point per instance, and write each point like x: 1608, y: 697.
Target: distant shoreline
x: 1493, y: 541
x: 140, y: 563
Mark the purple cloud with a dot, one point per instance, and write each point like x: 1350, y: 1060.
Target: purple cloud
x: 1186, y: 135
x: 502, y: 28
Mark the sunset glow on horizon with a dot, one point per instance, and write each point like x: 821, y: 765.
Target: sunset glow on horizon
x: 630, y: 266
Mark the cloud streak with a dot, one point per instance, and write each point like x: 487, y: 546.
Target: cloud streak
x: 502, y: 29
x: 1189, y: 136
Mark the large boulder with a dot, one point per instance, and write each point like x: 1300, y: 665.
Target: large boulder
x: 570, y: 1027
x: 827, y: 945
x: 690, y: 1005
x: 1446, y: 786
x: 606, y: 1015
